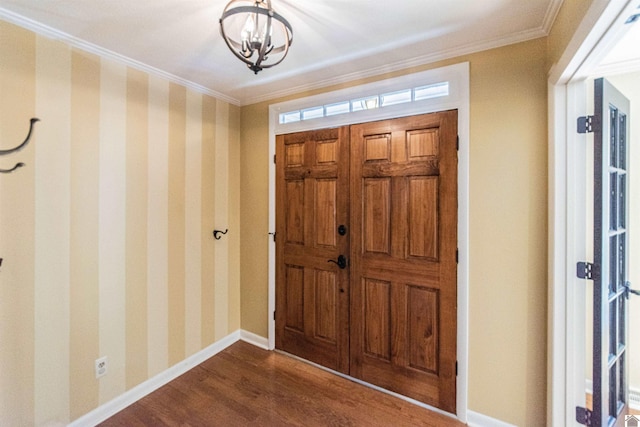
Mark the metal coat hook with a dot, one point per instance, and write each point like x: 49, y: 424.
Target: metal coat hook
x: 19, y: 147
x: 18, y: 165
x: 217, y: 233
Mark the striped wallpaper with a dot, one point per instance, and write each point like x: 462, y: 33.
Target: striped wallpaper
x: 106, y: 233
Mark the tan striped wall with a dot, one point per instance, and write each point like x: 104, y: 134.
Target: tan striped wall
x: 106, y: 232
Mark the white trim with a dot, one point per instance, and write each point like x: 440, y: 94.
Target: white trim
x: 622, y: 67
x: 476, y: 419
x: 551, y: 15
x: 107, y: 410
x: 599, y: 29
x: 520, y: 37
x: 417, y: 61
x: 454, y: 74
x: 52, y: 33
x: 458, y: 77
x: 634, y: 399
x: 556, y: 339
x: 469, y: 48
x: 130, y: 397
x: 253, y: 339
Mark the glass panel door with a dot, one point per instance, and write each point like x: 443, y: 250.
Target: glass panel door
x: 611, y: 120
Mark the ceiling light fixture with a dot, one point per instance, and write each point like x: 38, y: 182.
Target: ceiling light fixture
x: 264, y: 35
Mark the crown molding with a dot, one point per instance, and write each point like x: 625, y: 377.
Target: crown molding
x: 52, y: 33
x: 551, y: 15
x: 467, y: 49
x: 401, y: 65
x: 621, y: 67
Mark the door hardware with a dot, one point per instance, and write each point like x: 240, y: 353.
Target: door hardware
x: 342, y: 230
x: 19, y: 147
x: 217, y: 234
x: 341, y: 262
x: 628, y: 290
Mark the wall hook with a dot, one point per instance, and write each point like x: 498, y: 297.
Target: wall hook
x: 19, y: 147
x: 18, y: 165
x: 25, y: 142
x: 217, y: 233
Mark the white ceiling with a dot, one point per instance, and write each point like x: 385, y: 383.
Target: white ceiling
x: 334, y: 40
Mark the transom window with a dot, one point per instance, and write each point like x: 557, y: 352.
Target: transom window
x: 369, y: 102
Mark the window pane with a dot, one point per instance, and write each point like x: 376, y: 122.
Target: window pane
x: 613, y: 392
x: 622, y: 148
x: 396, y: 97
x: 339, y: 108
x: 622, y: 253
x: 622, y: 206
x: 613, y: 264
x: 613, y: 202
x: 431, y: 91
x: 622, y: 387
x: 312, y: 113
x: 368, y: 103
x: 613, y: 330
x: 621, y: 327
x: 613, y: 127
x: 290, y: 117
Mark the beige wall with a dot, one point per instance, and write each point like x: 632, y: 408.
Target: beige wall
x: 106, y: 232
x: 565, y: 25
x: 508, y: 211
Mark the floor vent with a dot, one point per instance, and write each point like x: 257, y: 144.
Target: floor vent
x: 634, y: 399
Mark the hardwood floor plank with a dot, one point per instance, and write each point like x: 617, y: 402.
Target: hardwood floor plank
x: 245, y: 385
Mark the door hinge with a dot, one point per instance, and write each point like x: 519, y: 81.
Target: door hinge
x: 586, y: 270
x: 456, y: 368
x: 457, y: 256
x: 583, y: 415
x: 274, y: 158
x: 274, y: 315
x: 274, y: 235
x: 458, y: 143
x: 586, y: 124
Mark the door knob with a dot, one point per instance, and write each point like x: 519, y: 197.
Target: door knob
x: 628, y: 290
x: 341, y: 262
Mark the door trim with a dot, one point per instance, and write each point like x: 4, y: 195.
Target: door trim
x: 458, y: 77
x: 602, y: 26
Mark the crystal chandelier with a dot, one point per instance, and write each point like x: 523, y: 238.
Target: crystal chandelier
x: 262, y: 36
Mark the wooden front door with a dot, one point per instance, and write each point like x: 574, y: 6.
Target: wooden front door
x: 403, y: 267
x: 399, y: 299
x: 312, y: 293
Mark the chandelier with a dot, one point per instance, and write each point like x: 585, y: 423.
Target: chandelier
x: 262, y: 36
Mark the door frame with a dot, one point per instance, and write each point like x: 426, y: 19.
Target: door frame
x: 457, y: 76
x: 601, y: 27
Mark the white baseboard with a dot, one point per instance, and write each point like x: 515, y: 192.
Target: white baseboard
x: 254, y: 339
x: 475, y: 419
x: 634, y: 395
x: 128, y: 398
x: 634, y: 398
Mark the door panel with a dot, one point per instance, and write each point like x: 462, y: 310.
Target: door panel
x: 403, y: 256
x: 312, y: 303
x: 610, y: 375
x: 388, y: 316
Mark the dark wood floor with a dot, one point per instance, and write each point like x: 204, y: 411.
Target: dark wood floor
x: 245, y: 385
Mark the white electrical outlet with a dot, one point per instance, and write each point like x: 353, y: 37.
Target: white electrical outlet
x: 101, y: 367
